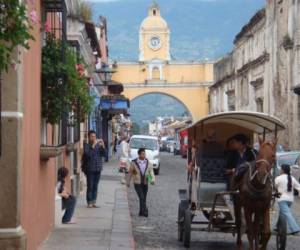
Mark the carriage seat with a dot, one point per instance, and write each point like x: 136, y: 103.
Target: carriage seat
x: 213, y: 180
x: 213, y: 170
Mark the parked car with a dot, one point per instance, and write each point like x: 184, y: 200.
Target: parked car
x: 170, y: 145
x: 177, y: 147
x: 280, y: 148
x: 291, y: 158
x: 166, y: 143
x: 151, y: 145
x: 163, y: 144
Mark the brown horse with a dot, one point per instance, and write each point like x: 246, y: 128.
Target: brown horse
x: 255, y: 196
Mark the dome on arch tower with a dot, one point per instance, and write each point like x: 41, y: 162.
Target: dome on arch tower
x: 154, y: 21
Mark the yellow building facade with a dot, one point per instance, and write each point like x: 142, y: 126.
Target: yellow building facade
x: 155, y: 72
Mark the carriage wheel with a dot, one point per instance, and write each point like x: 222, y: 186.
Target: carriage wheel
x: 180, y: 222
x: 281, y: 233
x: 187, y: 228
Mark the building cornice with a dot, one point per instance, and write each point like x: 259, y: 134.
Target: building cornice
x: 257, y: 83
x: 254, y: 63
x: 166, y: 85
x: 166, y: 62
x: 251, y: 24
x: 228, y: 77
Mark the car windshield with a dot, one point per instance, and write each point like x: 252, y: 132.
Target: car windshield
x: 289, y: 159
x: 143, y: 143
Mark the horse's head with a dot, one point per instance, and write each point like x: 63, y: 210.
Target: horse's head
x: 265, y: 159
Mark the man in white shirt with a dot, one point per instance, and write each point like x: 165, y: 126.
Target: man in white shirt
x: 142, y: 172
x: 142, y: 165
x: 285, y: 184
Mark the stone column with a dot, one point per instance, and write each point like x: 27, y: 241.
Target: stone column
x: 12, y: 236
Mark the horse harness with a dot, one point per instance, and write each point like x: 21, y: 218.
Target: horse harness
x: 257, y: 194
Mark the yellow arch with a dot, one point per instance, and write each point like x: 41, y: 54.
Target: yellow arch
x: 195, y: 100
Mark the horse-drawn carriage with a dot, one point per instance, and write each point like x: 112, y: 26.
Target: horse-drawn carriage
x: 207, y: 205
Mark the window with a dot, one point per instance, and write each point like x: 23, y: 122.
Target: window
x: 55, y: 18
x: 63, y: 130
x: 259, y: 105
x: 231, y: 106
x: 156, y: 73
x: 244, y: 91
x: 154, y: 12
x: 231, y: 100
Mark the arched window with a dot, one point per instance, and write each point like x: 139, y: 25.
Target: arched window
x: 259, y: 105
x: 154, y: 12
x: 155, y: 73
x: 244, y: 91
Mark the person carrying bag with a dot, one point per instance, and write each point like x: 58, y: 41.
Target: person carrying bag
x: 142, y: 174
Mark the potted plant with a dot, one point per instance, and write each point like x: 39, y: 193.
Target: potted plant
x: 15, y: 25
x: 47, y: 152
x: 64, y: 85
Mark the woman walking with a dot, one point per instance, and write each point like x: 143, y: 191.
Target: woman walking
x: 285, y: 184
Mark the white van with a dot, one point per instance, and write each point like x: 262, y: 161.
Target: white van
x: 151, y: 145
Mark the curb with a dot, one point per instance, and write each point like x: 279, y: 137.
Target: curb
x: 121, y: 235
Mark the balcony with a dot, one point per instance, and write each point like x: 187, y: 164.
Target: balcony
x: 155, y: 81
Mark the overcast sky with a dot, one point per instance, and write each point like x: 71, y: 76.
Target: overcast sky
x: 205, y: 32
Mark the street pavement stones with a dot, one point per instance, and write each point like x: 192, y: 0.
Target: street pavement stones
x: 159, y: 230
x: 105, y: 228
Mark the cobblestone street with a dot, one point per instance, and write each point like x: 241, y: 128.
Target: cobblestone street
x: 159, y: 231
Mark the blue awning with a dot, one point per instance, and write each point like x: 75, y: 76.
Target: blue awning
x: 112, y: 103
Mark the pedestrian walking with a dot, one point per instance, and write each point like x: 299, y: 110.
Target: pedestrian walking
x: 142, y: 173
x: 124, y: 155
x: 285, y: 184
x: 115, y: 145
x: 68, y: 200
x: 92, y: 164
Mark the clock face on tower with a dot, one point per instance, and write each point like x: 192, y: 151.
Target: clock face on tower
x: 155, y: 42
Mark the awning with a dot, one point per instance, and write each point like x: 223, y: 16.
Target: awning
x: 254, y: 121
x: 114, y: 104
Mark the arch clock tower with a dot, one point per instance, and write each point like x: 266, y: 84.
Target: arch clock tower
x: 154, y: 37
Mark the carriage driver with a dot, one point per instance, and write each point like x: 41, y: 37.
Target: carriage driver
x: 240, y: 154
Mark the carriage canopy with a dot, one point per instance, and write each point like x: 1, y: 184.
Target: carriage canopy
x: 252, y: 121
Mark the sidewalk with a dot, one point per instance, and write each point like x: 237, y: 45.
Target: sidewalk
x: 105, y: 228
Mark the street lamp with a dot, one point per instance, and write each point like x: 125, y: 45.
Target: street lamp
x: 106, y: 72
